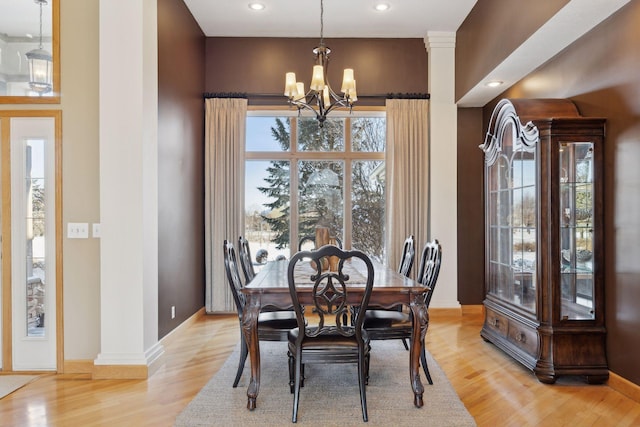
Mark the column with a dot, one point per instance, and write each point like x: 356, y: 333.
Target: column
x: 443, y: 162
x: 128, y: 189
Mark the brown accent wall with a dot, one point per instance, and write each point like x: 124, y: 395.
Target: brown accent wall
x: 491, y: 31
x: 599, y: 72
x: 470, y: 207
x: 258, y: 65
x: 180, y: 165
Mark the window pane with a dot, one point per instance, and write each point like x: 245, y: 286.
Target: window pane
x: 267, y: 217
x: 35, y: 227
x: 368, y: 207
x: 268, y: 133
x: 368, y: 134
x: 320, y: 200
x: 312, y: 137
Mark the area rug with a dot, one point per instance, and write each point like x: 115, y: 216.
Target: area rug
x: 330, y: 395
x: 11, y: 383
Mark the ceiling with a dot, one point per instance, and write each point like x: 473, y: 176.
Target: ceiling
x: 359, y: 19
x: 342, y: 18
x: 403, y: 19
x: 21, y: 17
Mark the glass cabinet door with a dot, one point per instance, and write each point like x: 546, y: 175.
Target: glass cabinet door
x: 576, y: 230
x: 524, y: 229
x: 512, y: 224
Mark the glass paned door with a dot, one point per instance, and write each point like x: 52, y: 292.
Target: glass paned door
x: 576, y: 230
x: 512, y: 223
x: 33, y: 243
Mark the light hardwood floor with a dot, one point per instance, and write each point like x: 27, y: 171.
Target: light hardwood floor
x: 496, y: 390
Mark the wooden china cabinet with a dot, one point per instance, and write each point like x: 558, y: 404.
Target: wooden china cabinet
x: 543, y: 231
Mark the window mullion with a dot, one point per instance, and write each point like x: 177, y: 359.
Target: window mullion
x: 293, y: 190
x: 347, y: 220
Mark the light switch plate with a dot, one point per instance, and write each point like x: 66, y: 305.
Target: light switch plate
x: 77, y: 230
x: 96, y: 231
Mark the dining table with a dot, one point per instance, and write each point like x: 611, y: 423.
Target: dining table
x: 270, y: 288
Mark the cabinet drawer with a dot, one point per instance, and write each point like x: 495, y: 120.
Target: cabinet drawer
x: 523, y: 337
x: 496, y: 322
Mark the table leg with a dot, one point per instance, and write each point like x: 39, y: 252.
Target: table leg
x: 250, y: 331
x: 420, y: 323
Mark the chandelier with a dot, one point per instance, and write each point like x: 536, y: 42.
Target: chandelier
x: 321, y: 99
x: 40, y: 63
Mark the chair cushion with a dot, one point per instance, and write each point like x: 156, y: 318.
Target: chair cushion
x: 323, y: 342
x: 386, y: 319
x: 277, y: 320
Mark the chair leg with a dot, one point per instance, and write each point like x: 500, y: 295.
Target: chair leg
x: 406, y: 346
x: 243, y: 357
x: 367, y: 361
x: 362, y: 363
x: 423, y: 359
x: 296, y: 392
x: 291, y: 372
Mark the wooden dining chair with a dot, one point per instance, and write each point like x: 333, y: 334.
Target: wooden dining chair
x: 408, y: 254
x: 323, y: 336
x: 404, y: 268
x: 245, y: 259
x: 390, y: 324
x: 272, y: 325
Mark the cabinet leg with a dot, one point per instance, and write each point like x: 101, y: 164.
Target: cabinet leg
x: 546, y: 378
x: 597, y: 379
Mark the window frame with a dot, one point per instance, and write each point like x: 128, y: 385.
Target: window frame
x: 348, y: 156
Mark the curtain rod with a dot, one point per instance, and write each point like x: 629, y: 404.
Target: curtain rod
x: 244, y: 95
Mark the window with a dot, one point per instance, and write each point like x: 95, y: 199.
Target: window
x: 332, y: 176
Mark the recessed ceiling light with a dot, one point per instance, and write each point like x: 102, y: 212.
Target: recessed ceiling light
x: 493, y: 83
x: 381, y: 7
x: 256, y: 6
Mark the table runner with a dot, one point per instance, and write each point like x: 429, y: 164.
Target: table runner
x: 303, y: 272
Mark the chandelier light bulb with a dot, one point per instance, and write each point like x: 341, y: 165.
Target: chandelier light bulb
x: 290, y: 84
x: 317, y: 79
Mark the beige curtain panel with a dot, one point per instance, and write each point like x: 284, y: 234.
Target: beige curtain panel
x: 225, y: 123
x: 407, y: 164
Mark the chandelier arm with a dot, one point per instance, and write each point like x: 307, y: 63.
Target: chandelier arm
x: 339, y: 104
x: 306, y: 106
x: 333, y: 95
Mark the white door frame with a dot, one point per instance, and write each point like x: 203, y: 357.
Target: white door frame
x: 17, y: 348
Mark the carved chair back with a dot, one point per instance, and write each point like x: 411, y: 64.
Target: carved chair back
x: 430, y: 267
x: 330, y: 291
x: 233, y: 276
x: 408, y: 254
x: 245, y: 259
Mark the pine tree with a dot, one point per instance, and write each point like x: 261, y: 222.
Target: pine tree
x: 320, y: 200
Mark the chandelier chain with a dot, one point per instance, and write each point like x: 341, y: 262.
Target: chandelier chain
x: 41, y: 45
x: 321, y: 22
